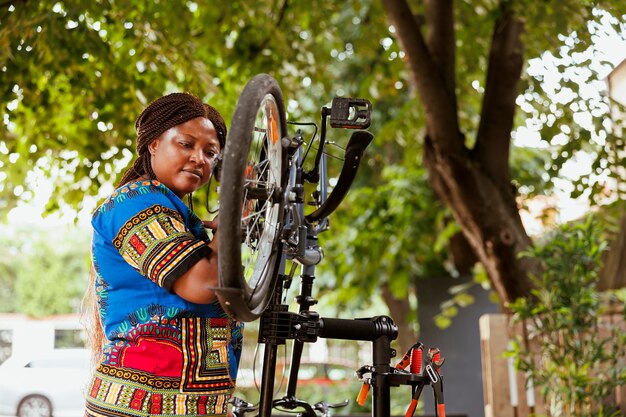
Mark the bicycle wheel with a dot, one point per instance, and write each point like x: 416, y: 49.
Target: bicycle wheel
x: 251, y: 200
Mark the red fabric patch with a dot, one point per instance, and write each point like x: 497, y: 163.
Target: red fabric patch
x: 148, y: 353
x: 157, y: 402
x: 137, y: 399
x: 96, y: 387
x: 202, y: 400
x: 136, y: 243
x: 219, y: 322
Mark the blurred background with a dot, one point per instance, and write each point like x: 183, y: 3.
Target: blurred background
x: 497, y: 124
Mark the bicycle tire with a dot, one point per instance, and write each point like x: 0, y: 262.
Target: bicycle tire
x: 254, y: 176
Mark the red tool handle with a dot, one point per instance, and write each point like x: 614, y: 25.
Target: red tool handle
x: 411, y: 410
x: 405, y: 361
x: 416, y: 360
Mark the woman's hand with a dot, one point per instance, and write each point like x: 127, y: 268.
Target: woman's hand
x: 212, y: 224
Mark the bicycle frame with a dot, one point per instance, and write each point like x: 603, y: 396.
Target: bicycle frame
x: 300, y: 245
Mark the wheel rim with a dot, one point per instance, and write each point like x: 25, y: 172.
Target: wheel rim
x: 261, y: 208
x: 35, y: 407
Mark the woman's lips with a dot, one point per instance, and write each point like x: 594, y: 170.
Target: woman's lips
x: 194, y: 172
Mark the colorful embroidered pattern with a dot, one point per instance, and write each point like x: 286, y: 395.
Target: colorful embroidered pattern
x: 192, y: 356
x: 114, y: 392
x: 101, y: 287
x: 205, y: 355
x: 166, y: 356
x: 130, y: 190
x: 155, y: 242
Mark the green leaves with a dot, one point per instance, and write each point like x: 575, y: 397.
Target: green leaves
x: 580, y: 354
x: 386, y: 235
x: 566, y: 92
x: 40, y: 275
x: 75, y: 75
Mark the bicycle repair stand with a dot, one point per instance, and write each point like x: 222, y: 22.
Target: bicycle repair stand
x: 278, y: 325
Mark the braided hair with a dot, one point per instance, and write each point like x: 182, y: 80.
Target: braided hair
x: 162, y: 114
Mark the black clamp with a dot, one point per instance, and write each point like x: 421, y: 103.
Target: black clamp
x: 278, y: 326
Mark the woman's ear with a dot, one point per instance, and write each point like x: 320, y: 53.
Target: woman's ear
x: 152, y: 146
x: 217, y: 168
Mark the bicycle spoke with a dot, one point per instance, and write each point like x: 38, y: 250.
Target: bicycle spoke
x: 256, y: 254
x: 259, y: 220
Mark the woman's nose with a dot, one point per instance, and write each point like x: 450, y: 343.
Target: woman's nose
x: 197, y: 156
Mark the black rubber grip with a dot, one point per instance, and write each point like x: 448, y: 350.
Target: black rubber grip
x: 356, y: 146
x: 357, y: 329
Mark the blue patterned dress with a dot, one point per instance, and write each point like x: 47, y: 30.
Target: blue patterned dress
x: 166, y: 356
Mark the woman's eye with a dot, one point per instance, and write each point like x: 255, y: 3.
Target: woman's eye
x: 186, y: 144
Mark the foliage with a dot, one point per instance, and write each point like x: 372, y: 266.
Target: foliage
x: 393, y: 234
x: 44, y: 272
x: 581, y: 360
x: 526, y: 165
x: 74, y: 75
x: 459, y: 298
x: 566, y: 101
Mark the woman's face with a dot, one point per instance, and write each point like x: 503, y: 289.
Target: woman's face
x: 182, y: 157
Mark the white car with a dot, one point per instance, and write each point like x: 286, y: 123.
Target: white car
x: 45, y: 384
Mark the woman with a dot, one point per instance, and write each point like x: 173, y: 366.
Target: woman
x: 166, y: 346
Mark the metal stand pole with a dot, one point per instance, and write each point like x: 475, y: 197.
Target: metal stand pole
x: 381, y: 390
x: 267, y: 381
x: 266, y: 401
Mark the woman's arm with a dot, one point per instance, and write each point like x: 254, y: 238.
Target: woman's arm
x: 198, y: 284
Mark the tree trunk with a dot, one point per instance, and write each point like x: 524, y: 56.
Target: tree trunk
x: 474, y: 183
x: 400, y: 311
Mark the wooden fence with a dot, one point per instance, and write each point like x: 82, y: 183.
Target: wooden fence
x: 505, y: 391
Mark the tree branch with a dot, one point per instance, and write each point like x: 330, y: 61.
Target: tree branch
x: 281, y: 16
x: 438, y: 104
x: 255, y: 50
x: 506, y: 60
x: 440, y: 17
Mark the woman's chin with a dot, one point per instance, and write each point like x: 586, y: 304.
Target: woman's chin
x: 186, y: 187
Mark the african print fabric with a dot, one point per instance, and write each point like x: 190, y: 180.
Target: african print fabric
x: 165, y: 356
